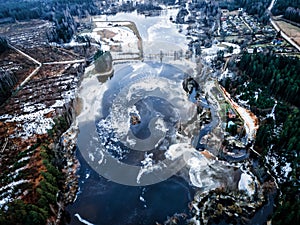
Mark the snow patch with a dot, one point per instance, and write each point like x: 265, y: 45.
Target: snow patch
x: 177, y: 150
x: 142, y: 199
x: 148, y: 166
x: 7, y: 191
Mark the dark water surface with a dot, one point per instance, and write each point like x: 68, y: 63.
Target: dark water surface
x: 103, y: 202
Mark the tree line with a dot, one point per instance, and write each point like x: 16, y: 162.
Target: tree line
x: 60, y: 12
x: 290, y: 9
x: 3, y: 45
x: 43, y: 198
x: 275, y: 77
x: 26, y: 10
x: 279, y: 73
x: 7, y: 82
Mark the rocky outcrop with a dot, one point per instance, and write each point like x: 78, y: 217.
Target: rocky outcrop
x: 219, y: 205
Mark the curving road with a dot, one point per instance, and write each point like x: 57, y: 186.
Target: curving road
x: 277, y: 28
x: 250, y: 120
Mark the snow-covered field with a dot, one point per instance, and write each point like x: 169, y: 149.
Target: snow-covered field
x: 210, y: 53
x: 157, y: 33
x: 115, y: 37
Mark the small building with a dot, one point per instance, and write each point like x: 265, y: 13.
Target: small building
x: 250, y: 50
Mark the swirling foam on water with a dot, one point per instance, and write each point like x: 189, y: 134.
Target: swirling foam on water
x: 151, y: 91
x: 154, y: 93
x: 150, y: 86
x: 148, y: 166
x: 199, y: 177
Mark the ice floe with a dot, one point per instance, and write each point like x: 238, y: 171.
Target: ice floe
x: 83, y: 220
x: 247, y: 184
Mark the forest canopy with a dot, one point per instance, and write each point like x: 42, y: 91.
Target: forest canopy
x: 275, y: 81
x: 290, y: 9
x: 26, y: 10
x: 279, y: 73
